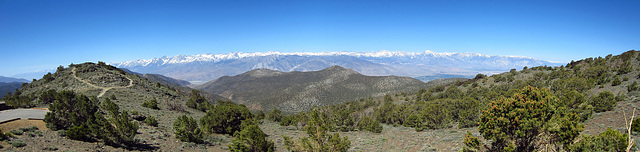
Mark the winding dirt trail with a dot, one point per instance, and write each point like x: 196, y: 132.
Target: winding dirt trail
x: 104, y: 89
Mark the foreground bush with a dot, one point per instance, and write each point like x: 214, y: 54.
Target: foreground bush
x: 187, y: 129
x: 319, y: 139
x: 605, y: 101
x: 609, y: 140
x: 251, y: 138
x: 369, y: 124
x: 83, y: 120
x: 225, y: 118
x: 528, y: 117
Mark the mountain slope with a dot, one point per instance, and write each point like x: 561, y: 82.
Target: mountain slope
x: 164, y: 80
x: 8, y: 84
x: 264, y: 89
x: 9, y: 79
x: 6, y: 87
x: 206, y: 67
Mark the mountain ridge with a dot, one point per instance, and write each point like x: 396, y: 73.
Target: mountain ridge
x: 207, y: 67
x: 10, y: 79
x: 239, y: 55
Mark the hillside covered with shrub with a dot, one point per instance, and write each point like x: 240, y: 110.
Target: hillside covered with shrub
x: 572, y: 94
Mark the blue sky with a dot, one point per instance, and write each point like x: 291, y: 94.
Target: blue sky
x: 39, y: 34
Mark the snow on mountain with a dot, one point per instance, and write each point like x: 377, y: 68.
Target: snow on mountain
x: 239, y: 55
x: 206, y: 67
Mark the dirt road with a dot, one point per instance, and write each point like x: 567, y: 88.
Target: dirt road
x: 104, y: 89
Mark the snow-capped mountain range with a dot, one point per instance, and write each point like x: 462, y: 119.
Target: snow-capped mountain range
x: 207, y: 67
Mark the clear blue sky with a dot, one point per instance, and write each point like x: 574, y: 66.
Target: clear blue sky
x: 42, y: 34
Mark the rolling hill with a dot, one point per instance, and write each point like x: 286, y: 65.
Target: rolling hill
x: 264, y: 89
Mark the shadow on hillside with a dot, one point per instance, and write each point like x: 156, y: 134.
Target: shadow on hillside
x: 140, y: 147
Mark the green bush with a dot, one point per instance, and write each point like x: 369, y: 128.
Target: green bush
x: 471, y: 143
x: 204, y: 106
x: 515, y: 123
x: 61, y: 133
x: 80, y: 132
x: 467, y: 112
x: 482, y: 76
x: 16, y: 132
x: 153, y: 104
x: 636, y: 125
x: 80, y: 117
x: 251, y: 138
x: 436, y: 115
x: 226, y: 118
x: 195, y: 99
x: 609, y: 140
x: 414, y: 121
x: 17, y: 143
x: 571, y: 99
x: 616, y: 81
x: 633, y: 86
x: 605, y: 101
x: 38, y: 133
x: 151, y: 121
x: 260, y: 116
x: 319, y: 139
x: 29, y: 129
x: 274, y: 115
x: 369, y: 124
x: 625, y: 67
x: 70, y: 109
x: 187, y: 129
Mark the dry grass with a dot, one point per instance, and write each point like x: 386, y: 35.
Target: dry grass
x: 6, y: 127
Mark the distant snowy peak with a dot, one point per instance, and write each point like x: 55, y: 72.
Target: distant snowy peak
x: 239, y: 55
